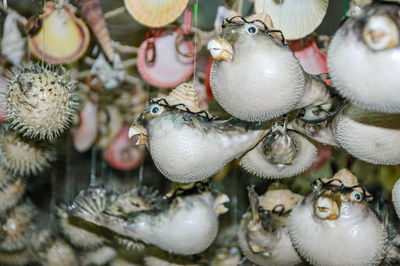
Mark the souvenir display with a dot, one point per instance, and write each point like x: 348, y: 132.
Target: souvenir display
x: 187, y: 132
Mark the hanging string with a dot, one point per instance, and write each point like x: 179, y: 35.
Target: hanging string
x: 196, y: 6
x: 43, y: 25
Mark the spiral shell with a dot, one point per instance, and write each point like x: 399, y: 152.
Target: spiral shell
x: 185, y: 94
x: 155, y: 13
x: 62, y: 38
x: 93, y: 14
x: 23, y: 157
x: 40, y: 101
x: 276, y: 197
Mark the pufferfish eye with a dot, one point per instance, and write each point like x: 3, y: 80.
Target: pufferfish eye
x: 356, y: 195
x: 251, y: 29
x: 155, y: 109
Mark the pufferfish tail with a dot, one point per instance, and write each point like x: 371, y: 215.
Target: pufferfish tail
x: 88, y: 204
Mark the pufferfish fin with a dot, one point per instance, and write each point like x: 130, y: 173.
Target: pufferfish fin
x: 88, y: 204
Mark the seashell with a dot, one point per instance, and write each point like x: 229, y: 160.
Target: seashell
x: 311, y: 58
x: 122, y: 153
x: 155, y: 13
x: 11, y: 193
x: 280, y: 155
x: 78, y: 233
x: 60, y: 253
x: 371, y: 40
x: 16, y: 229
x: 296, y: 19
x: 93, y: 14
x: 169, y: 68
x: 22, y: 257
x: 162, y: 228
x: 62, y: 38
x: 86, y: 134
x: 396, y: 197
x: 110, y: 122
x: 276, y: 197
x: 99, y: 256
x: 12, y: 43
x: 333, y: 214
x: 370, y: 136
x: 110, y: 76
x: 23, y: 157
x: 40, y: 102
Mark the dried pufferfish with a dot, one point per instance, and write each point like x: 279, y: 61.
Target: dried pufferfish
x: 255, y: 76
x: 40, y: 101
x: 396, y: 197
x: 183, y: 224
x: 371, y: 41
x: 264, y: 234
x: 23, y: 157
x: 62, y: 37
x: 336, y: 216
x: 369, y: 136
x: 12, y: 188
x: 185, y: 143
x: 281, y: 153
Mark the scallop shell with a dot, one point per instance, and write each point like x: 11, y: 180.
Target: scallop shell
x: 12, y: 44
x: 169, y: 68
x: 255, y: 162
x: 93, y: 14
x: 86, y: 134
x: 62, y: 38
x: 279, y: 196
x: 155, y: 13
x: 370, y: 136
x: 296, y: 19
x: 353, y: 64
x: 185, y: 94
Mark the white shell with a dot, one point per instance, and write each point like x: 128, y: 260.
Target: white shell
x: 295, y: 18
x: 367, y: 141
x: 255, y: 162
x: 12, y: 44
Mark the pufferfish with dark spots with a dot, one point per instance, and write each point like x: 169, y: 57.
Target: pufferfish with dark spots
x: 335, y: 225
x: 255, y: 76
x: 185, y: 143
x: 184, y: 223
x: 264, y: 234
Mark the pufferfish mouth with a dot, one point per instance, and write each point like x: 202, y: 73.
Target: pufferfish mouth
x: 219, y: 203
x: 139, y: 133
x: 326, y: 208
x: 220, y: 49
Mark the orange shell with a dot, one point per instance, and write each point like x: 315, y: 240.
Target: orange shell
x: 60, y: 40
x: 155, y: 13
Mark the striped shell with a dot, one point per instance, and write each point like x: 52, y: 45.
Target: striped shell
x: 62, y: 38
x: 295, y: 18
x: 93, y: 14
x: 276, y: 197
x: 155, y: 13
x: 185, y: 94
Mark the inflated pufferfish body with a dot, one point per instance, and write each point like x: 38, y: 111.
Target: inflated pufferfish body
x: 396, y: 197
x: 369, y: 136
x: 39, y: 101
x: 364, y: 58
x: 187, y: 145
x: 255, y: 76
x: 334, y: 225
x: 263, y: 234
x: 184, y: 224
